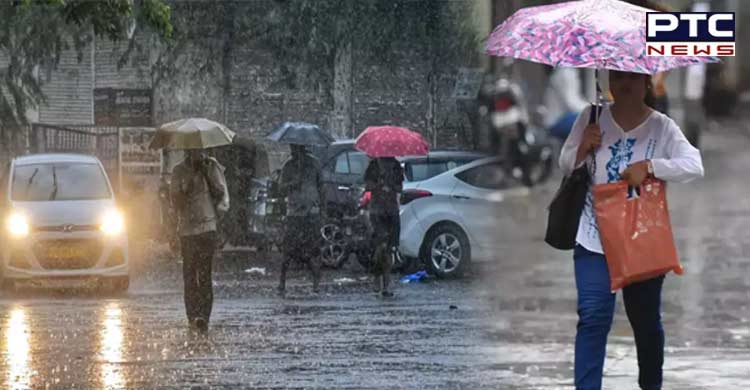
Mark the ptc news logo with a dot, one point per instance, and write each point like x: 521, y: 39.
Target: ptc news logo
x: 690, y: 34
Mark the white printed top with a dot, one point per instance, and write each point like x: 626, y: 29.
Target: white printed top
x: 658, y: 139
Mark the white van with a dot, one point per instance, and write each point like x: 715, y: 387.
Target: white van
x: 60, y: 224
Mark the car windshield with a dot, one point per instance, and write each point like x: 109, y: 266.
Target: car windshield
x: 59, y: 181
x: 423, y: 170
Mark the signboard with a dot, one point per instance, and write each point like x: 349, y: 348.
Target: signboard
x: 468, y: 83
x: 135, y: 156
x: 122, y: 107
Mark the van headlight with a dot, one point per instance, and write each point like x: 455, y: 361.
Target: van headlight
x: 112, y: 223
x: 17, y: 225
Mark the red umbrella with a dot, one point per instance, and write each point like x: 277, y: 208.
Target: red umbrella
x: 391, y: 141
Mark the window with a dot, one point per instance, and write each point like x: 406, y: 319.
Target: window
x: 59, y: 181
x: 423, y: 170
x: 351, y: 163
x: 342, y: 164
x: 489, y: 176
x: 358, y: 162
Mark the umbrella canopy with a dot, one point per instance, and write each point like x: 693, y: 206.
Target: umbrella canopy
x: 601, y: 34
x: 300, y: 133
x: 391, y: 141
x: 192, y: 133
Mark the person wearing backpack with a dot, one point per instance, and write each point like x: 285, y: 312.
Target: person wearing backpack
x: 200, y: 196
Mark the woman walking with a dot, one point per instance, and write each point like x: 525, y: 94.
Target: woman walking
x: 384, y: 177
x: 631, y: 142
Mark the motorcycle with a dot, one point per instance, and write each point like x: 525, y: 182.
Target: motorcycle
x: 529, y: 150
x: 348, y: 232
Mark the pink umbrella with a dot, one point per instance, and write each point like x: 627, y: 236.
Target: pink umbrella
x: 391, y: 141
x: 601, y: 34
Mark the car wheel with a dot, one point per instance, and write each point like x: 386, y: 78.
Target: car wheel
x: 446, y: 251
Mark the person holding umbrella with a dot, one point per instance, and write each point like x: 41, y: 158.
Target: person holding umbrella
x: 627, y: 141
x: 300, y: 183
x: 199, y: 194
x: 384, y: 178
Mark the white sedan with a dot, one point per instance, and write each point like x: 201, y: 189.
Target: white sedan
x: 451, y: 219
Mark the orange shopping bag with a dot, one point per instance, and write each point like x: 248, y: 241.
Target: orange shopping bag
x: 635, y: 231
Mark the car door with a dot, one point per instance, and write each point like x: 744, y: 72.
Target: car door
x: 475, y: 198
x: 343, y: 176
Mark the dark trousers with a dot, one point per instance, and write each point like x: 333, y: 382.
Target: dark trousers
x: 197, y: 259
x: 596, y: 307
x: 386, y: 230
x: 302, y: 241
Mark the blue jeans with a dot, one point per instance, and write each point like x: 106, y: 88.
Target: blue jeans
x: 596, y: 307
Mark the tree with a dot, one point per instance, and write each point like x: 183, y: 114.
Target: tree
x: 319, y: 38
x: 35, y: 33
x: 442, y: 34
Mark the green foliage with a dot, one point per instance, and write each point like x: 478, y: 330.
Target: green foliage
x: 35, y: 33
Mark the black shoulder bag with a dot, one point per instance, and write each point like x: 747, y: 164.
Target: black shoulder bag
x: 567, y: 205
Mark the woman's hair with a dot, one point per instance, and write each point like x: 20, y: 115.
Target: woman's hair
x: 650, y: 98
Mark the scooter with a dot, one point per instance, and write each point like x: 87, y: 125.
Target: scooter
x: 347, y: 231
x: 529, y: 150
x: 351, y: 233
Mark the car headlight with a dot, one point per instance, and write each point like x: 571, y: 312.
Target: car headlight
x: 113, y: 223
x: 17, y: 225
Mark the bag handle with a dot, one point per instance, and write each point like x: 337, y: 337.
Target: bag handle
x: 594, y: 114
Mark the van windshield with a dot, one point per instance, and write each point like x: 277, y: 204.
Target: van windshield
x: 59, y: 181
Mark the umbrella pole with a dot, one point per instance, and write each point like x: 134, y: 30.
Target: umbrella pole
x: 599, y: 97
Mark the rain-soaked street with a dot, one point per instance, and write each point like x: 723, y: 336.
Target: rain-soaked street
x: 511, y: 329
x: 345, y: 338
x: 530, y: 326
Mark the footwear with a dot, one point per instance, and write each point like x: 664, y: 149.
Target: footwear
x: 387, y: 294
x: 281, y: 290
x: 201, y: 325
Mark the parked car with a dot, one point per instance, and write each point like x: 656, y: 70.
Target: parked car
x: 343, y: 174
x: 420, y: 168
x: 447, y: 219
x: 61, y: 226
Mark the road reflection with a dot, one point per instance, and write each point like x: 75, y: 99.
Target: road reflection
x: 110, y: 348
x: 17, y: 350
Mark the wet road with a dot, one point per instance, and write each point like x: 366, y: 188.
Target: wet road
x: 512, y: 328
x: 347, y: 338
x: 529, y: 330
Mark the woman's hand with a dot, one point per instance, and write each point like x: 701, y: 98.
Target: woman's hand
x: 592, y: 139
x: 636, y: 173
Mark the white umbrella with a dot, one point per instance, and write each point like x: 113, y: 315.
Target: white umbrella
x: 192, y: 133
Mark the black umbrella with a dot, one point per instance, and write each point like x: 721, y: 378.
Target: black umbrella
x: 300, y: 133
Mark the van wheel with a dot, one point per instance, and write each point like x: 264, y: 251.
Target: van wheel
x: 446, y: 251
